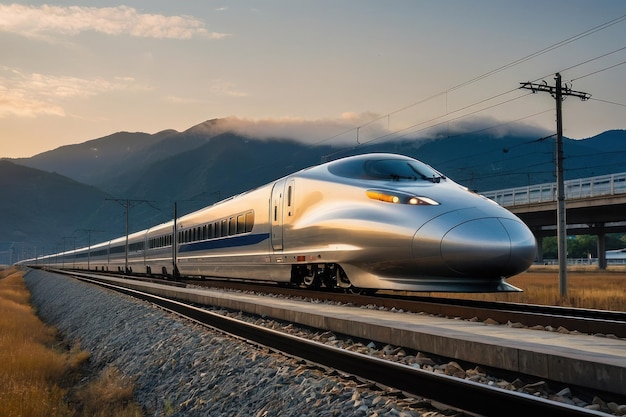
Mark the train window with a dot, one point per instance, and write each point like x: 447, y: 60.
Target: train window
x: 210, y: 231
x: 289, y: 196
x: 395, y: 169
x: 118, y: 249
x: 137, y: 246
x: 275, y: 213
x: 232, y: 226
x: 216, y: 228
x: 249, y: 221
x: 241, y: 223
x: 224, y: 228
x: 204, y: 232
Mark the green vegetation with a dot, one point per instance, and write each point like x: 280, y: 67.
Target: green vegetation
x: 581, y: 246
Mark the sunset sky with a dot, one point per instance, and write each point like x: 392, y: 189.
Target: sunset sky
x: 320, y: 70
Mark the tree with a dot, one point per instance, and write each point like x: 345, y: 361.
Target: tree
x: 581, y: 246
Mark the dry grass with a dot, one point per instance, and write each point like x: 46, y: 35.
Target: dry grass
x: 109, y: 395
x: 587, y: 288
x: 36, y: 374
x: 27, y: 366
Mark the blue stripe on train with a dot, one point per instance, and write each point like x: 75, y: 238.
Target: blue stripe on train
x: 226, y: 242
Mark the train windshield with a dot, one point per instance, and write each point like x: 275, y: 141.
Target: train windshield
x: 386, y: 169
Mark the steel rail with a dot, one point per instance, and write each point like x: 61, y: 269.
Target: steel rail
x: 462, y: 394
x: 582, y: 320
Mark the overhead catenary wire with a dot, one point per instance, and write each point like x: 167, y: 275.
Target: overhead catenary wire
x: 497, y: 70
x: 607, y: 101
x: 400, y: 133
x: 599, y: 71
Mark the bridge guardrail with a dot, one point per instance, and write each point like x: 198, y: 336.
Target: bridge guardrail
x: 577, y: 188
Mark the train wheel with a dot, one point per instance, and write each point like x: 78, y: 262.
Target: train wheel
x: 312, y: 279
x: 342, y: 278
x: 360, y: 291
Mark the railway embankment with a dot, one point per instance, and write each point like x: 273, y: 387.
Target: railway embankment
x: 182, y: 369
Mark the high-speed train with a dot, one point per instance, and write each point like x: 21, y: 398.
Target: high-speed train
x: 372, y: 221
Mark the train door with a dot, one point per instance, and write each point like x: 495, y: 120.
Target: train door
x: 276, y: 214
x: 282, y: 210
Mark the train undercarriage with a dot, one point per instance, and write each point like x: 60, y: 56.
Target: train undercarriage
x: 323, y: 276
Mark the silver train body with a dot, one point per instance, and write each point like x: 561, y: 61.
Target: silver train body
x: 373, y: 221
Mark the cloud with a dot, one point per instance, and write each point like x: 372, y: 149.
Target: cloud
x: 30, y: 95
x: 341, y: 130
x: 46, y: 20
x: 16, y: 103
x: 225, y: 88
x: 486, y: 125
x: 372, y: 129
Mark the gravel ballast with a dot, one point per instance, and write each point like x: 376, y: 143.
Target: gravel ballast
x: 183, y: 369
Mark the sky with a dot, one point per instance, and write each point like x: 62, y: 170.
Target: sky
x: 322, y: 71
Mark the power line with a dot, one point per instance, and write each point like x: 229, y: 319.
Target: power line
x: 608, y: 102
x: 392, y: 134
x: 591, y: 60
x: 599, y: 71
x: 511, y: 64
x: 499, y: 69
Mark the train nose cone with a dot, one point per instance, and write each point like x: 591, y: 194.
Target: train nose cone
x: 489, y: 247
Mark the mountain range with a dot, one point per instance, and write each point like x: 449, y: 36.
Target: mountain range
x: 65, y: 196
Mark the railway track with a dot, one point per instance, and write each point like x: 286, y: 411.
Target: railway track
x: 582, y: 320
x: 458, y: 393
x: 602, y: 322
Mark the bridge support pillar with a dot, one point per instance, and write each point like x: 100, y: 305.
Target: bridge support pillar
x: 601, y: 247
x: 539, y: 256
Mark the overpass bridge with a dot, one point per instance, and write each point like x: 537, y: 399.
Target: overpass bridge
x: 594, y: 206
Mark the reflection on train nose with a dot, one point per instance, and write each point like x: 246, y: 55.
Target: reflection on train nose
x: 489, y: 247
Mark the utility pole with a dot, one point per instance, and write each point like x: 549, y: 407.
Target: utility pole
x: 175, y: 244
x: 127, y: 204
x: 74, y: 248
x: 559, y: 92
x: 89, y: 244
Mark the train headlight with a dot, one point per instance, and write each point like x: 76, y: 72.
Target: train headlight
x: 395, y: 197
